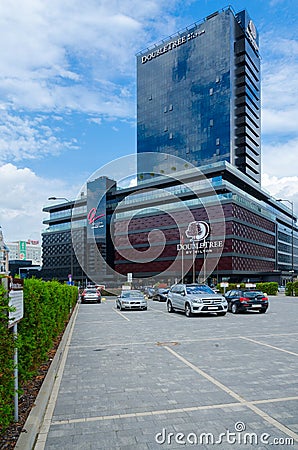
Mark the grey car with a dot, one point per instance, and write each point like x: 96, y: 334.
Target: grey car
x: 131, y: 299
x: 195, y: 299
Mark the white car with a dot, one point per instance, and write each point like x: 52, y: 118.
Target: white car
x: 131, y: 299
x: 196, y: 299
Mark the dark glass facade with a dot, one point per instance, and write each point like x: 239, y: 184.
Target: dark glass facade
x: 257, y: 241
x: 198, y: 95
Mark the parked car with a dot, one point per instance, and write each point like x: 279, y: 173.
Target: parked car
x: 195, y: 299
x: 160, y: 294
x: 132, y: 299
x: 91, y: 295
x: 149, y: 291
x: 241, y: 300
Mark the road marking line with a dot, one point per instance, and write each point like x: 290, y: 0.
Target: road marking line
x: 142, y: 414
x: 170, y: 411
x: 120, y: 314
x: 270, y: 346
x: 236, y: 396
x: 274, y: 400
x: 181, y: 341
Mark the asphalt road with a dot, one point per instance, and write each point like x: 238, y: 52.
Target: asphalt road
x: 153, y: 380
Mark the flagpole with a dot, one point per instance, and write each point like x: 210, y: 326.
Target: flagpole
x: 193, y: 263
x: 182, y: 259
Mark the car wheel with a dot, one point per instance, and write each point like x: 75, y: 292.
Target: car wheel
x: 170, y: 307
x: 221, y: 313
x: 188, y: 312
x: 263, y: 310
x: 234, y: 308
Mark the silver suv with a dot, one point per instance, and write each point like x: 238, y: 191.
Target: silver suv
x: 195, y: 299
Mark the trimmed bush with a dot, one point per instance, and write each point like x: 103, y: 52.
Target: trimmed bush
x: 270, y: 288
x: 47, y: 306
x: 292, y: 288
x: 6, y: 364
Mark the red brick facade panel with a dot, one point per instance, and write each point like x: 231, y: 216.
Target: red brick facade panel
x: 248, y: 216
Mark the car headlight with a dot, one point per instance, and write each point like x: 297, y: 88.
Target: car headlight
x: 197, y: 300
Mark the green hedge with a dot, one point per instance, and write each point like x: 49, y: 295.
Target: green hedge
x: 292, y: 288
x: 270, y: 288
x: 6, y: 364
x: 47, y: 306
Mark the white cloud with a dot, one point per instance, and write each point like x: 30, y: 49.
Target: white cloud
x: 282, y: 188
x: 23, y: 195
x: 60, y: 57
x: 280, y: 159
x: 24, y: 137
x: 96, y: 120
x: 279, y: 86
x: 71, y: 57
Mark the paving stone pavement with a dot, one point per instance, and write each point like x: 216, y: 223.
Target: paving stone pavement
x: 154, y: 380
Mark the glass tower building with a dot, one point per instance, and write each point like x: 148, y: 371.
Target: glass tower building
x: 198, y: 95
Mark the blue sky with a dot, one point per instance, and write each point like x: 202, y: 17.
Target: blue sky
x: 68, y: 93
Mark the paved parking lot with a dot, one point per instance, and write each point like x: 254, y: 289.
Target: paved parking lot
x: 153, y: 380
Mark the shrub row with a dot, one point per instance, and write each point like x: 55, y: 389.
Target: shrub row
x: 292, y: 288
x: 47, y: 306
x: 270, y: 288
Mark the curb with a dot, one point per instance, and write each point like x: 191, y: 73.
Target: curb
x: 34, y: 421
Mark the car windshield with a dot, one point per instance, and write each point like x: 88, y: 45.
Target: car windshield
x: 199, y: 290
x: 129, y: 294
x: 252, y: 294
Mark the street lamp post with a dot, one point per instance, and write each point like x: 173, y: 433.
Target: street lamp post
x: 71, y: 249
x: 292, y: 234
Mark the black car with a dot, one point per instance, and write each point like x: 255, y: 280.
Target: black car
x: 149, y: 291
x: 161, y: 295
x: 246, y: 300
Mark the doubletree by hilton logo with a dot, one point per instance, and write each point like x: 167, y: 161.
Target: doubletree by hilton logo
x: 197, y: 232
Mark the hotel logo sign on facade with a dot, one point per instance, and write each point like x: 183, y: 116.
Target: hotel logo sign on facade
x: 252, y: 34
x: 171, y: 45
x: 197, y: 232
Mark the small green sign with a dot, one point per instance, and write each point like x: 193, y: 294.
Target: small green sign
x: 22, y: 250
